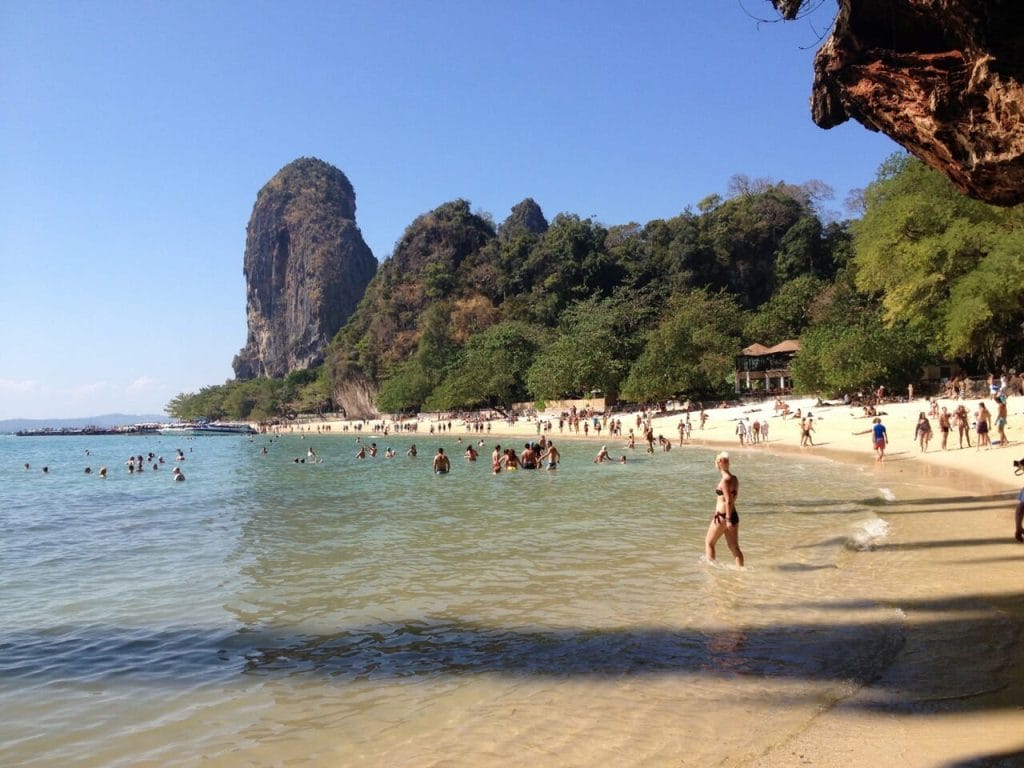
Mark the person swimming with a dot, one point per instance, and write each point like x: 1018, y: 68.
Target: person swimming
x: 726, y: 519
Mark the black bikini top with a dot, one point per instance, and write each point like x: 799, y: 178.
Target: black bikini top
x: 718, y: 492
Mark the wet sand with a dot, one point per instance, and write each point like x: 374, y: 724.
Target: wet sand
x: 954, y: 693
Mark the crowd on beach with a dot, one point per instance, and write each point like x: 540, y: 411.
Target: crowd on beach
x: 961, y: 423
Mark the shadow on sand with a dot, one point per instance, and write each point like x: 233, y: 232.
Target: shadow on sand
x: 857, y: 649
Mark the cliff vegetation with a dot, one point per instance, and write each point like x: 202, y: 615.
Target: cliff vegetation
x: 468, y: 314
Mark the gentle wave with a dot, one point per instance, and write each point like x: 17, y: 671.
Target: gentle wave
x: 177, y: 621
x: 869, y: 534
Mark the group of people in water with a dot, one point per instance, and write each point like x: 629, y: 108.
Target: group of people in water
x: 136, y: 464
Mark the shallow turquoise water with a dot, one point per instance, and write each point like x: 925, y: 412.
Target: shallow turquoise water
x: 266, y: 610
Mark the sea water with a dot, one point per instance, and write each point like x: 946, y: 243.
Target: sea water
x: 280, y: 608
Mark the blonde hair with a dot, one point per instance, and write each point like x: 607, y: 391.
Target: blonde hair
x: 722, y: 457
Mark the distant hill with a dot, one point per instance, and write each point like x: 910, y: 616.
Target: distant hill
x: 106, y: 420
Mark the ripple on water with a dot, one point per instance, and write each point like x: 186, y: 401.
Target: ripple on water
x: 529, y: 612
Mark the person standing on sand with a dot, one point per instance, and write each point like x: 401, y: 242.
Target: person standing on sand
x: 962, y: 424
x: 923, y: 432
x: 982, y: 419
x: 879, y: 438
x: 726, y: 521
x: 806, y: 427
x: 1001, y: 419
x: 944, y: 426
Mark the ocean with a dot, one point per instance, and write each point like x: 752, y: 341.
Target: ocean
x: 337, y: 611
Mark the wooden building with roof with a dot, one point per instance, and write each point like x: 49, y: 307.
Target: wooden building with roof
x: 766, y: 370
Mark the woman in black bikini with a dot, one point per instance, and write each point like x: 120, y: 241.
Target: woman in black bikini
x: 726, y: 521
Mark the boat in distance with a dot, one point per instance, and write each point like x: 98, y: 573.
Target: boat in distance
x: 208, y: 428
x: 130, y: 429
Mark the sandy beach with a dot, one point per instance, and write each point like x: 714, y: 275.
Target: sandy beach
x: 839, y: 434
x: 954, y: 695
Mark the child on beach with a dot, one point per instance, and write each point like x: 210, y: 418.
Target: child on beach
x: 879, y: 438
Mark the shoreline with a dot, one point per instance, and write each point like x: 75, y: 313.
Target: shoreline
x: 953, y: 693
x: 835, y: 429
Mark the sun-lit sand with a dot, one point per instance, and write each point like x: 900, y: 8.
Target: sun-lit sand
x: 955, y: 692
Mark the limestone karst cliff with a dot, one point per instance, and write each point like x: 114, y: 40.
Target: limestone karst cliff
x: 306, y: 267
x: 943, y: 78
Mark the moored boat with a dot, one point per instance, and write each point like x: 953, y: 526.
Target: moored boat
x: 208, y: 428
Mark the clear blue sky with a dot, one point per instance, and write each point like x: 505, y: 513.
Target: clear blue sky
x: 136, y: 135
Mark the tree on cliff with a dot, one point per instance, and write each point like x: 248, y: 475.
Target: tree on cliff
x: 425, y: 269
x: 443, y: 322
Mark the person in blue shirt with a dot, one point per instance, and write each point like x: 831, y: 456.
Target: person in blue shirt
x: 879, y: 438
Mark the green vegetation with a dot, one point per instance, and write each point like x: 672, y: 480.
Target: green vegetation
x: 307, y: 391
x: 944, y: 264
x: 466, y: 314
x: 692, y: 350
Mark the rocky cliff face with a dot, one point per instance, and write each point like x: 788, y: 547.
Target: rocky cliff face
x: 306, y: 268
x: 943, y: 78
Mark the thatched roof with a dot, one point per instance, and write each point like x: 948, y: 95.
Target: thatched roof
x: 759, y: 350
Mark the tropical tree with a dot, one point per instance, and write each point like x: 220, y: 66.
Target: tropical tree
x: 691, y: 352
x: 598, y: 342
x: 787, y: 313
x: 490, y: 370
x: 842, y: 356
x: 943, y: 264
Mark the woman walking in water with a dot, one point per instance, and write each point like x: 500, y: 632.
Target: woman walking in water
x: 726, y: 521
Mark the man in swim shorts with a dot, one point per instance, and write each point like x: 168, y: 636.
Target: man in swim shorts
x: 442, y: 465
x: 552, y: 455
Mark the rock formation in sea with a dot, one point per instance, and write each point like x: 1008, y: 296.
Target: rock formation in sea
x: 306, y: 268
x: 943, y: 78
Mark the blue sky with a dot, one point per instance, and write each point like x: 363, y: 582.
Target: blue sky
x: 136, y: 135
